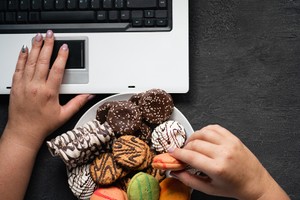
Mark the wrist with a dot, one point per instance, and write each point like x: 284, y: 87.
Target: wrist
x: 22, y: 138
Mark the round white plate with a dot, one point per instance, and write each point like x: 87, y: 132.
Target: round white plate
x: 91, y: 113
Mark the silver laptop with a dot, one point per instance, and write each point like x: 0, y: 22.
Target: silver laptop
x: 115, y: 46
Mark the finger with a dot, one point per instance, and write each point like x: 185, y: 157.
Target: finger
x: 194, y: 159
x: 20, y: 64
x: 74, y: 106
x: 203, y: 147
x: 43, y: 62
x: 196, y: 182
x: 58, y: 68
x: 206, y: 135
x: 37, y: 43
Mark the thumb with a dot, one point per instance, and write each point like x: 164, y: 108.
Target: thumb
x: 196, y: 182
x: 74, y: 105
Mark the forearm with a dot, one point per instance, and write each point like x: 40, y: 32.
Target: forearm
x: 16, y: 163
x: 274, y: 192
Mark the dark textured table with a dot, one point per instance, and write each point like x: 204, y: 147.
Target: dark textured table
x: 244, y: 75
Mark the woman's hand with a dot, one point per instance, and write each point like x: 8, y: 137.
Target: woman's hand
x: 232, y: 169
x: 34, y: 108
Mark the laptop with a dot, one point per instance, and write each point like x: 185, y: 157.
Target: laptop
x: 116, y: 46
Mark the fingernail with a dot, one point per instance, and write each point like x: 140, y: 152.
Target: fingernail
x: 172, y: 174
x: 38, y: 37
x: 65, y: 47
x: 49, y: 34
x: 91, y: 96
x: 171, y: 150
x: 24, y: 48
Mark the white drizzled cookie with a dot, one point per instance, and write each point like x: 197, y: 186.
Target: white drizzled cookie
x: 81, y: 144
x: 168, y: 135
x: 81, y: 182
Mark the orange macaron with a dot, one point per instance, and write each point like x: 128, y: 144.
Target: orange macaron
x: 165, y: 161
x: 172, y: 188
x: 109, y: 193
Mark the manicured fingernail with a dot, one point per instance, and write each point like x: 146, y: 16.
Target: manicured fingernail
x: 65, y: 47
x: 91, y: 96
x: 171, y: 150
x: 49, y: 34
x: 172, y: 174
x: 38, y: 37
x: 24, y: 48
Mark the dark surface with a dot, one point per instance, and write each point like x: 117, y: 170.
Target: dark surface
x: 244, y: 75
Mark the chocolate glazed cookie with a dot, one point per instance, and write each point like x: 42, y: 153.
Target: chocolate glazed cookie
x: 124, y: 117
x: 156, y: 106
x: 129, y: 151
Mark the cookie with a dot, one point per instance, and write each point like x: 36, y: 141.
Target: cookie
x: 166, y: 162
x: 172, y: 188
x: 144, y: 133
x: 148, y: 159
x: 80, y: 145
x: 143, y: 186
x: 124, y: 117
x: 158, y: 174
x: 104, y: 170
x: 156, y: 106
x: 136, y: 98
x: 129, y: 151
x: 80, y: 182
x: 168, y: 135
x: 102, y: 111
x: 109, y: 193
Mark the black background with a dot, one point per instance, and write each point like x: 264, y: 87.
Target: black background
x: 244, y: 75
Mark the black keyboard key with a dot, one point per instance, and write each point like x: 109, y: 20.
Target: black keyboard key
x: 3, y: 5
x: 137, y: 14
x: 141, y: 3
x: 149, y: 22
x: 161, y: 13
x: 34, y: 17
x: 113, y: 15
x: 2, y: 17
x: 149, y: 13
x: 36, y: 4
x: 12, y: 4
x: 83, y: 4
x: 101, y: 16
x: 119, y: 4
x: 48, y: 4
x: 60, y: 4
x: 162, y: 3
x: 67, y: 16
x: 72, y: 4
x: 95, y: 4
x: 161, y: 22
x: 22, y: 17
x: 10, y: 17
x: 24, y: 4
x: 137, y: 22
x: 107, y: 4
x: 125, y: 15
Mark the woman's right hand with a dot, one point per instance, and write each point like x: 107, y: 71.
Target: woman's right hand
x: 232, y: 169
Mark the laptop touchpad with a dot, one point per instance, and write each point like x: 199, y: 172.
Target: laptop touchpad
x: 76, y: 67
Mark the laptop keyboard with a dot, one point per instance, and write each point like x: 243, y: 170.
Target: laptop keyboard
x: 31, y: 16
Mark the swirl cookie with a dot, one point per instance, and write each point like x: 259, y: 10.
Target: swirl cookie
x: 124, y: 117
x: 104, y: 170
x: 81, y: 144
x: 129, y: 151
x: 168, y: 135
x: 80, y: 182
x: 156, y: 106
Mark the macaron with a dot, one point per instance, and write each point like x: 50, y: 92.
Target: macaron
x: 172, y: 188
x: 143, y: 186
x: 109, y: 193
x: 165, y: 161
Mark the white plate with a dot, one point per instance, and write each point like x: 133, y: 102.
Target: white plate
x: 91, y: 113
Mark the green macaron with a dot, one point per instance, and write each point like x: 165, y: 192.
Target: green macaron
x: 143, y: 187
